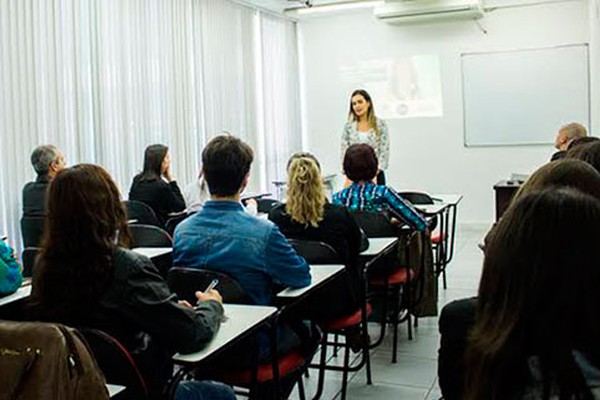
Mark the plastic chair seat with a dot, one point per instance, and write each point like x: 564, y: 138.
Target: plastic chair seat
x: 346, y: 321
x: 437, y: 238
x: 398, y: 277
x: 287, y: 364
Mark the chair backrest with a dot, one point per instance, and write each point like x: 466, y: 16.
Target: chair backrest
x: 172, y: 222
x: 375, y: 224
x: 116, y: 363
x: 32, y: 230
x: 28, y: 258
x: 315, y: 252
x: 265, y: 205
x: 149, y: 236
x: 47, y: 361
x: 417, y: 197
x: 186, y: 281
x: 141, y: 212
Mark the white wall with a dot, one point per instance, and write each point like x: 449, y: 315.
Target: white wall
x: 428, y: 153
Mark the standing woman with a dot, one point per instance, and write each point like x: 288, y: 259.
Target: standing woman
x: 155, y: 185
x: 364, y: 127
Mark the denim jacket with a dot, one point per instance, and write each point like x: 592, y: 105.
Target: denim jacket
x: 224, y: 238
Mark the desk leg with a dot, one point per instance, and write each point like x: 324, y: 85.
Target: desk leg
x: 275, y: 360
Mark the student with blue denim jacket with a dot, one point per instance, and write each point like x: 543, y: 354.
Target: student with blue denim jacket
x: 224, y: 238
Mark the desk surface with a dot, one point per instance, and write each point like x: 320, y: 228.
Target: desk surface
x: 114, y: 390
x: 152, y: 252
x: 432, y: 209
x: 22, y: 293
x: 319, y: 274
x: 451, y: 199
x: 241, y: 319
x: 377, y: 245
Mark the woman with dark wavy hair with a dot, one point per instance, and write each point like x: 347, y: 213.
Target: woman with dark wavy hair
x: 86, y: 277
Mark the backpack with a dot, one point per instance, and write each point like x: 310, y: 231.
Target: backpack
x: 47, y: 361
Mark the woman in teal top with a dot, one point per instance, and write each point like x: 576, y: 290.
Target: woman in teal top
x: 364, y: 127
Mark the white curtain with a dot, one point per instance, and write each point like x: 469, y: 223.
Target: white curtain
x: 281, y: 95
x: 102, y: 79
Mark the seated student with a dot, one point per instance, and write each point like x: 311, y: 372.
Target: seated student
x: 581, y: 141
x: 86, y: 277
x: 588, y: 152
x: 10, y: 271
x: 360, y: 166
x: 307, y: 215
x: 47, y: 160
x: 457, y: 317
x: 535, y: 334
x: 566, y: 134
x: 155, y: 185
x: 224, y: 238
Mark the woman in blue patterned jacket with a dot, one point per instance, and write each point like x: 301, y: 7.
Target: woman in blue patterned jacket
x: 360, y: 166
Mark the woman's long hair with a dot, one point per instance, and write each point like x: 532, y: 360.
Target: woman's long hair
x: 305, y: 195
x: 539, y: 296
x: 85, y: 222
x: 563, y: 173
x: 371, y: 117
x: 153, y: 159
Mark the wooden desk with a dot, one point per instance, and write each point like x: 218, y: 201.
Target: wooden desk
x: 320, y: 275
x: 505, y: 191
x: 241, y: 321
x: 22, y: 293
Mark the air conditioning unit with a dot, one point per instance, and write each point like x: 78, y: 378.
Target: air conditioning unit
x: 411, y: 11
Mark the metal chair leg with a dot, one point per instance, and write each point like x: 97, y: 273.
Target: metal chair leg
x: 345, y: 372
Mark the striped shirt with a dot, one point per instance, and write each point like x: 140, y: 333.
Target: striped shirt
x: 371, y: 197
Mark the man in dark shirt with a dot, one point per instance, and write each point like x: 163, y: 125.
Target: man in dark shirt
x: 47, y: 160
x: 566, y: 134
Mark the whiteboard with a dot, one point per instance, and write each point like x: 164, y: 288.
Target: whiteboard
x: 523, y: 97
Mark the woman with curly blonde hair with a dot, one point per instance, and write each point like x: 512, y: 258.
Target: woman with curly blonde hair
x: 307, y: 215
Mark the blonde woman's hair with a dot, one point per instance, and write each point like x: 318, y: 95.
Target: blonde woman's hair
x: 371, y: 117
x: 305, y: 194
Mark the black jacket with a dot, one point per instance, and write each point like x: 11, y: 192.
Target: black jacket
x: 339, y: 230
x: 34, y: 197
x: 455, y: 322
x: 164, y: 198
x: 141, y: 312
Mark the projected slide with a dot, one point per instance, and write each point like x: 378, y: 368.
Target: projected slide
x: 402, y: 87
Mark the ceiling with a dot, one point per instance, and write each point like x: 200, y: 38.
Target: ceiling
x: 280, y: 5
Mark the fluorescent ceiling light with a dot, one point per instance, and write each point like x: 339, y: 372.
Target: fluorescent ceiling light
x: 327, y: 8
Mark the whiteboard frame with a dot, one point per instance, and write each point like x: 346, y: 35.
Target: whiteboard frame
x: 585, y: 45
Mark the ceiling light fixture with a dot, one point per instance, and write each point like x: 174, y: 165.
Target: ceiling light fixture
x: 329, y: 8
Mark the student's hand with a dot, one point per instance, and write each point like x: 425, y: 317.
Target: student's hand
x: 210, y: 295
x: 168, y: 174
x: 185, y: 304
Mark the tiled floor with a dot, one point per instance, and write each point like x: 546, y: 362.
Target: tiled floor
x: 414, y: 376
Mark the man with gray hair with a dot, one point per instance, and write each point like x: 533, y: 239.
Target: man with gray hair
x: 566, y: 134
x: 47, y: 160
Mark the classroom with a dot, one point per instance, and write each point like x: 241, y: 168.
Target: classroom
x: 335, y: 199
